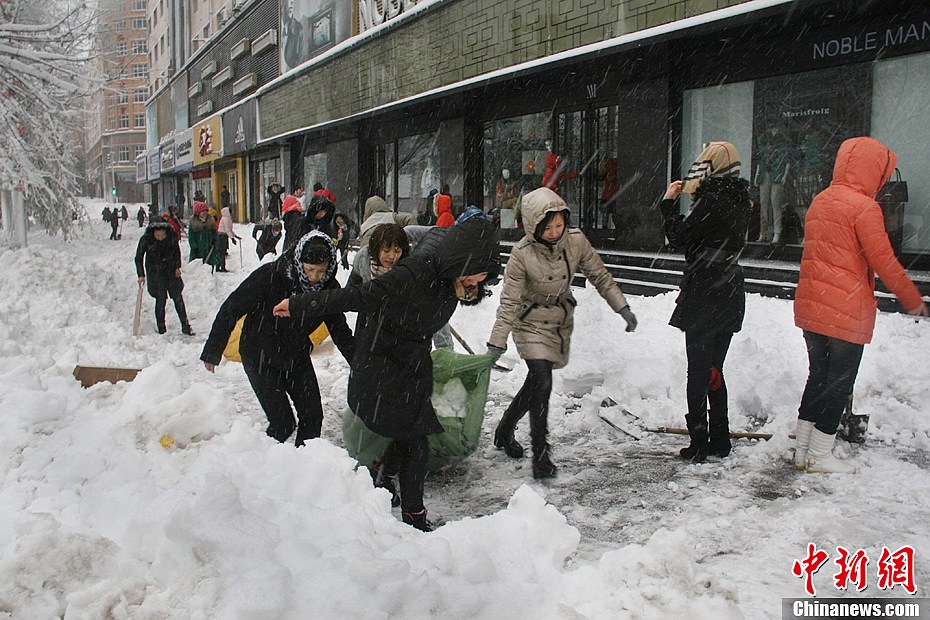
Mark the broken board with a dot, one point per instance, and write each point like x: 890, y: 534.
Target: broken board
x: 90, y: 375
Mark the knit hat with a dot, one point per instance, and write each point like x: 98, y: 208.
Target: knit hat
x: 200, y: 207
x: 718, y: 159
x: 470, y: 212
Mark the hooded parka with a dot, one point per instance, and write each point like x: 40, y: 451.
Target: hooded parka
x: 537, y: 306
x: 392, y: 372
x: 378, y: 212
x: 845, y: 245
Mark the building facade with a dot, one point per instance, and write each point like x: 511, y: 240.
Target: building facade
x: 115, y: 131
x: 483, y: 95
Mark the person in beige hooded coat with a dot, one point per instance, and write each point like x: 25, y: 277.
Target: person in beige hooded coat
x: 537, y: 308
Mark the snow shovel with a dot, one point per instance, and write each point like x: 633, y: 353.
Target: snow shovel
x: 470, y: 351
x: 137, y: 315
x: 853, y: 427
x: 90, y: 375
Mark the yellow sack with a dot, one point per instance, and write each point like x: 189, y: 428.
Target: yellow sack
x: 231, y: 352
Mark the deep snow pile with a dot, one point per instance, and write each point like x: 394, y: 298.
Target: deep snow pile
x: 100, y: 519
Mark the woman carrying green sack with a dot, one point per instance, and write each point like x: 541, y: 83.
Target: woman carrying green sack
x: 392, y: 372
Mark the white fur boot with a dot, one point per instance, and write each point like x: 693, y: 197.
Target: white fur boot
x: 802, y: 439
x: 820, y: 459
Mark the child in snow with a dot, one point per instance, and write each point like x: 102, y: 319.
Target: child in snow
x: 537, y: 308
x: 845, y: 245
x: 392, y: 371
x: 158, y: 265
x: 276, y: 351
x: 712, y: 301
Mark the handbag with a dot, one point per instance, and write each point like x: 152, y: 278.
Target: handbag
x: 894, y: 192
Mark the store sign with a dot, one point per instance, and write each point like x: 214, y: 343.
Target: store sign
x: 154, y: 157
x: 167, y: 156
x: 208, y: 141
x: 239, y: 128
x: 184, y: 150
x: 373, y: 13
x: 897, y: 35
x: 141, y: 171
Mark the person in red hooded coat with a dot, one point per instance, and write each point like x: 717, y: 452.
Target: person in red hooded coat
x: 845, y: 245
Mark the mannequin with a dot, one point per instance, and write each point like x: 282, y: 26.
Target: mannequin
x: 772, y: 171
x: 609, y: 202
x: 555, y: 167
x: 506, y: 190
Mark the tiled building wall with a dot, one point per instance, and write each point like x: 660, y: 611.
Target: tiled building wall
x: 456, y: 41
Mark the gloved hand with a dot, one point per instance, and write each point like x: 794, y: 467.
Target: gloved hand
x: 234, y: 240
x: 495, y: 351
x: 629, y: 317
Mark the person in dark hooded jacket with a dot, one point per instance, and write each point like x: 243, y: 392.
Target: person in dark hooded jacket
x: 392, y: 372
x: 158, y: 265
x: 267, y: 237
x: 319, y: 215
x: 276, y: 351
x: 712, y: 301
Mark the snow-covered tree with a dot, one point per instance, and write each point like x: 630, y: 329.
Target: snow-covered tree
x: 43, y: 59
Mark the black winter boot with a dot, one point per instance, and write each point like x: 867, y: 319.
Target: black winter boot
x: 186, y: 329
x: 418, y: 520
x: 503, y: 438
x: 382, y: 480
x: 719, y: 434
x: 697, y: 429
x: 543, y: 467
x: 162, y: 329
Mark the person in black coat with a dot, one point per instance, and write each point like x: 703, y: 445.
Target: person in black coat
x: 712, y: 301
x: 158, y: 265
x: 141, y: 217
x: 114, y: 224
x: 392, y: 372
x: 319, y: 215
x: 267, y: 236
x: 276, y: 351
x: 274, y: 200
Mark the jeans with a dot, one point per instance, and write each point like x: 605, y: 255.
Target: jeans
x: 706, y: 350
x: 834, y: 364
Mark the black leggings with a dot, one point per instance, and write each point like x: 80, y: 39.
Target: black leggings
x: 533, y: 397
x: 272, y: 387
x: 408, y: 457
x: 706, y: 350
x: 161, y: 290
x: 834, y: 364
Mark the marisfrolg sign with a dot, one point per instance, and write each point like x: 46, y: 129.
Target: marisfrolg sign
x: 373, y: 13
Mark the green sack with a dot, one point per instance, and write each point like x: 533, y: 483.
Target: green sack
x: 459, y: 381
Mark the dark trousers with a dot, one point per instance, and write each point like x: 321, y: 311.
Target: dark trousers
x: 834, y: 364
x: 706, y: 351
x: 533, y: 397
x: 172, y: 288
x: 408, y: 458
x: 272, y: 388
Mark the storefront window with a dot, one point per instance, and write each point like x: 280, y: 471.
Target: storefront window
x: 267, y: 171
x: 900, y: 92
x: 514, y: 162
x: 314, y: 170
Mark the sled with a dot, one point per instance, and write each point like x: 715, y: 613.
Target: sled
x: 460, y: 435
x: 231, y: 352
x: 91, y: 375
x: 137, y: 315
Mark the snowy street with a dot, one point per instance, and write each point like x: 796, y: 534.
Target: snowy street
x: 164, y: 498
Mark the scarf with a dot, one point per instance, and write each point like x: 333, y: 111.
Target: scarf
x: 294, y: 270
x: 718, y: 159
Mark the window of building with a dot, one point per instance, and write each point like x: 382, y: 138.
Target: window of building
x: 140, y: 46
x: 899, y: 120
x: 139, y: 95
x: 140, y: 71
x: 123, y: 153
x: 111, y: 99
x: 123, y: 72
x: 514, y: 162
x: 121, y: 48
x: 139, y: 23
x: 138, y: 5
x: 137, y: 150
x: 123, y: 97
x: 111, y: 123
x: 139, y: 120
x: 124, y: 121
x: 120, y: 24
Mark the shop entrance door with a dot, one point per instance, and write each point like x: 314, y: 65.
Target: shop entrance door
x: 583, y: 139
